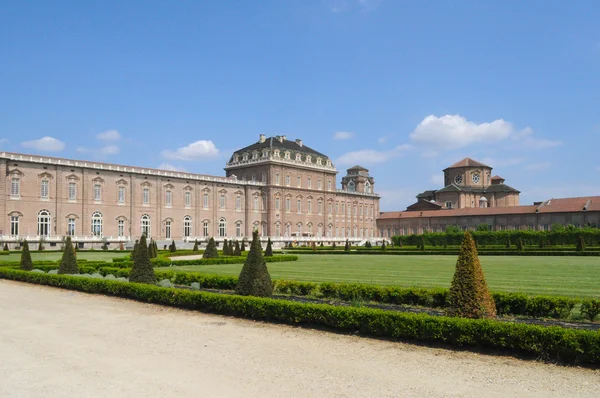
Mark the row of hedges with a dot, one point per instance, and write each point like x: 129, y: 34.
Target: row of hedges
x: 548, y: 343
x: 158, y: 262
x: 557, y: 237
x: 448, y: 252
x: 480, y: 249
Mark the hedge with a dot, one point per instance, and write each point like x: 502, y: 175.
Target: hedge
x: 553, y: 343
x: 446, y: 252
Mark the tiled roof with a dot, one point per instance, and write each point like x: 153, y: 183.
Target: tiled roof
x: 273, y: 142
x: 427, y: 194
x: 357, y: 167
x: 570, y: 204
x: 467, y: 162
x: 491, y: 188
x: 497, y: 177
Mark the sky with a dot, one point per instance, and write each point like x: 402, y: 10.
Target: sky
x: 404, y: 88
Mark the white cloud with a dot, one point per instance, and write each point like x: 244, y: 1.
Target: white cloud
x: 382, y: 140
x: 109, y: 135
x: 450, y: 132
x: 370, y: 156
x: 109, y: 150
x: 199, y: 150
x: 343, y: 135
x: 47, y: 144
x: 437, y: 179
x: 170, y: 167
x: 537, y: 166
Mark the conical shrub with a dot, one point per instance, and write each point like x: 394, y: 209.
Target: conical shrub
x: 507, y: 243
x: 68, y: 262
x: 195, y: 249
x: 231, y: 248
x: 243, y: 247
x: 334, y: 246
x: 211, y: 249
x: 469, y: 296
x: 142, y: 270
x: 254, y: 279
x: 347, y: 246
x: 173, y: 248
x: 6, y: 247
x: 26, y: 263
x: 237, y: 250
x: 226, y: 248
x: 269, y: 249
x: 383, y: 246
x: 520, y: 246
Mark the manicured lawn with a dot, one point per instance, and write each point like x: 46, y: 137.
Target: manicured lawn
x: 56, y: 255
x: 569, y: 276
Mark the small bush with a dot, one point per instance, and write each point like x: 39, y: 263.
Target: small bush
x: 590, y: 308
x: 237, y: 251
x: 254, y: 279
x: 6, y: 247
x: 68, y: 262
x: 211, y: 249
x: 26, y: 264
x: 195, y: 249
x: 269, y: 249
x: 142, y: 270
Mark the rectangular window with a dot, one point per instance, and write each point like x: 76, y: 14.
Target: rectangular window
x: 146, y: 196
x: 44, y: 189
x: 299, y: 205
x: 205, y: 201
x: 288, y: 205
x: 15, y: 188
x: 97, y: 192
x: 320, y: 208
x: 222, y: 201
x: 448, y: 205
x: 188, y: 198
x: 187, y: 228
x: 343, y: 208
x: 299, y: 182
x: 264, y: 203
x: 71, y: 227
x: 14, y: 225
x: 238, y: 203
x: 330, y: 208
x: 308, y: 182
x: 277, y: 230
x: 319, y: 183
x: 205, y: 228
x: 287, y: 180
x: 72, y: 191
x: 277, y: 203
x: 168, y: 230
x: 277, y: 179
x: 329, y: 185
x: 121, y: 228
x: 309, y: 205
x: 168, y: 198
x: 238, y: 230
x: 337, y: 207
x: 255, y: 203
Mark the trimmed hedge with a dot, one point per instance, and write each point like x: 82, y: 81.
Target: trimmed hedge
x: 549, y: 343
x: 446, y: 252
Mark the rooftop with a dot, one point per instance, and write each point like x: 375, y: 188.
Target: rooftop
x: 467, y: 162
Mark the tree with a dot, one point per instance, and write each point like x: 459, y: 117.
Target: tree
x: 142, y: 270
x: 520, y: 246
x: 173, y: 248
x: 237, y: 251
x: 269, y: 249
x: 243, y: 248
x: 383, y: 246
x: 347, y: 246
x: 232, y: 248
x: 469, y: 296
x: 26, y: 263
x: 6, y: 249
x: 368, y: 245
x: 226, y: 248
x: 580, y: 243
x: 195, y: 249
x: 68, y: 262
x: 254, y: 279
x: 211, y: 249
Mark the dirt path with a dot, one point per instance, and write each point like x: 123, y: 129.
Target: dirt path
x: 61, y: 343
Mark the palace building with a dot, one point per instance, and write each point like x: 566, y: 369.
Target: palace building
x: 282, y: 188
x: 472, y: 196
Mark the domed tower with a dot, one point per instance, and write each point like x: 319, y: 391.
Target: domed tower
x: 357, y: 179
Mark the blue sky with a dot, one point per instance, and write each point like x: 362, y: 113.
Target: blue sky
x: 404, y: 88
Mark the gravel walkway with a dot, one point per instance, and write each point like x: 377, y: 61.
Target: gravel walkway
x: 58, y: 343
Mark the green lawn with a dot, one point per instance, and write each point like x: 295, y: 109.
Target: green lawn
x: 56, y: 255
x: 569, y: 276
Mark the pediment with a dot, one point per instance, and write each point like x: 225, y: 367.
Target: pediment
x: 46, y: 175
x: 15, y: 172
x: 146, y: 184
x: 169, y: 186
x: 121, y: 181
x: 98, y: 179
x: 72, y: 177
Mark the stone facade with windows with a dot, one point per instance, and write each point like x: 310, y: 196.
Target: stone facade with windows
x: 282, y: 188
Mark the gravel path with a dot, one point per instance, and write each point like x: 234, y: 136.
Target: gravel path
x: 58, y: 343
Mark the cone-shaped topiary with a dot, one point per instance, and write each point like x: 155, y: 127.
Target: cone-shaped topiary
x: 334, y: 246
x: 232, y: 248
x: 243, y: 247
x: 254, y: 279
x: 142, y: 270
x: 541, y: 242
x: 41, y: 246
x: 237, y: 251
x: 269, y: 249
x: 399, y: 242
x: 133, y: 252
x: 469, y: 296
x: 225, y: 248
x: 26, y: 263
x: 173, y: 248
x: 383, y: 246
x: 445, y: 243
x: 68, y: 262
x: 154, y: 249
x: 520, y: 246
x: 211, y: 249
x: 195, y: 249
x: 347, y: 246
x: 150, y: 250
x: 368, y: 245
x: 6, y: 247
x: 580, y: 243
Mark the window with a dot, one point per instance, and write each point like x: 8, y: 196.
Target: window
x: 97, y: 192
x: 205, y: 201
x: 319, y: 183
x: 288, y: 204
x: 309, y: 205
x: 277, y: 203
x: 329, y: 185
x: 288, y: 229
x: 253, y: 177
x: 309, y: 229
x: 44, y: 189
x: 337, y: 231
x: 351, y: 187
x: 71, y: 227
x: 168, y: 229
x: 277, y: 230
x: 168, y: 198
x: 330, y: 208
x: 308, y: 182
x: 121, y: 228
x: 255, y: 203
x: 238, y: 229
x: 367, y: 187
x: 44, y: 223
x: 205, y: 228
x: 15, y: 188
x: 145, y: 225
x: 448, y: 205
x: 263, y: 177
x: 287, y: 180
x: 222, y: 227
x: 146, y: 196
x: 72, y: 191
x: 263, y: 229
x: 121, y: 195
x: 354, y: 210
x: 238, y: 203
x: 299, y: 205
x: 14, y: 225
x: 320, y: 207
x: 187, y: 226
x: 343, y: 208
x: 299, y: 226
x: 97, y: 224
x: 277, y: 179
x: 222, y: 201
x: 337, y: 207
x: 299, y: 181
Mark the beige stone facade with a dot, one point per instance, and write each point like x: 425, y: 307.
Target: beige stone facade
x: 283, y: 194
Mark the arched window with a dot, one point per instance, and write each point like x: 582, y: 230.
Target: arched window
x: 145, y: 225
x: 238, y: 229
x: 367, y: 187
x: 351, y: 187
x: 44, y: 223
x: 299, y: 226
x: 97, y: 224
x: 187, y: 226
x: 288, y: 228
x: 222, y: 227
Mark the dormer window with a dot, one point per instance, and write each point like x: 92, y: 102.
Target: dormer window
x: 319, y: 161
x: 287, y: 155
x: 265, y: 153
x: 328, y: 162
x: 308, y: 159
x: 298, y: 157
x: 276, y: 153
x: 236, y: 158
x: 254, y: 155
x: 245, y: 156
x: 367, y: 187
x: 351, y: 186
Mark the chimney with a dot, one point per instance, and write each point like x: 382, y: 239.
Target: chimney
x: 299, y: 142
x: 261, y: 138
x: 283, y: 137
